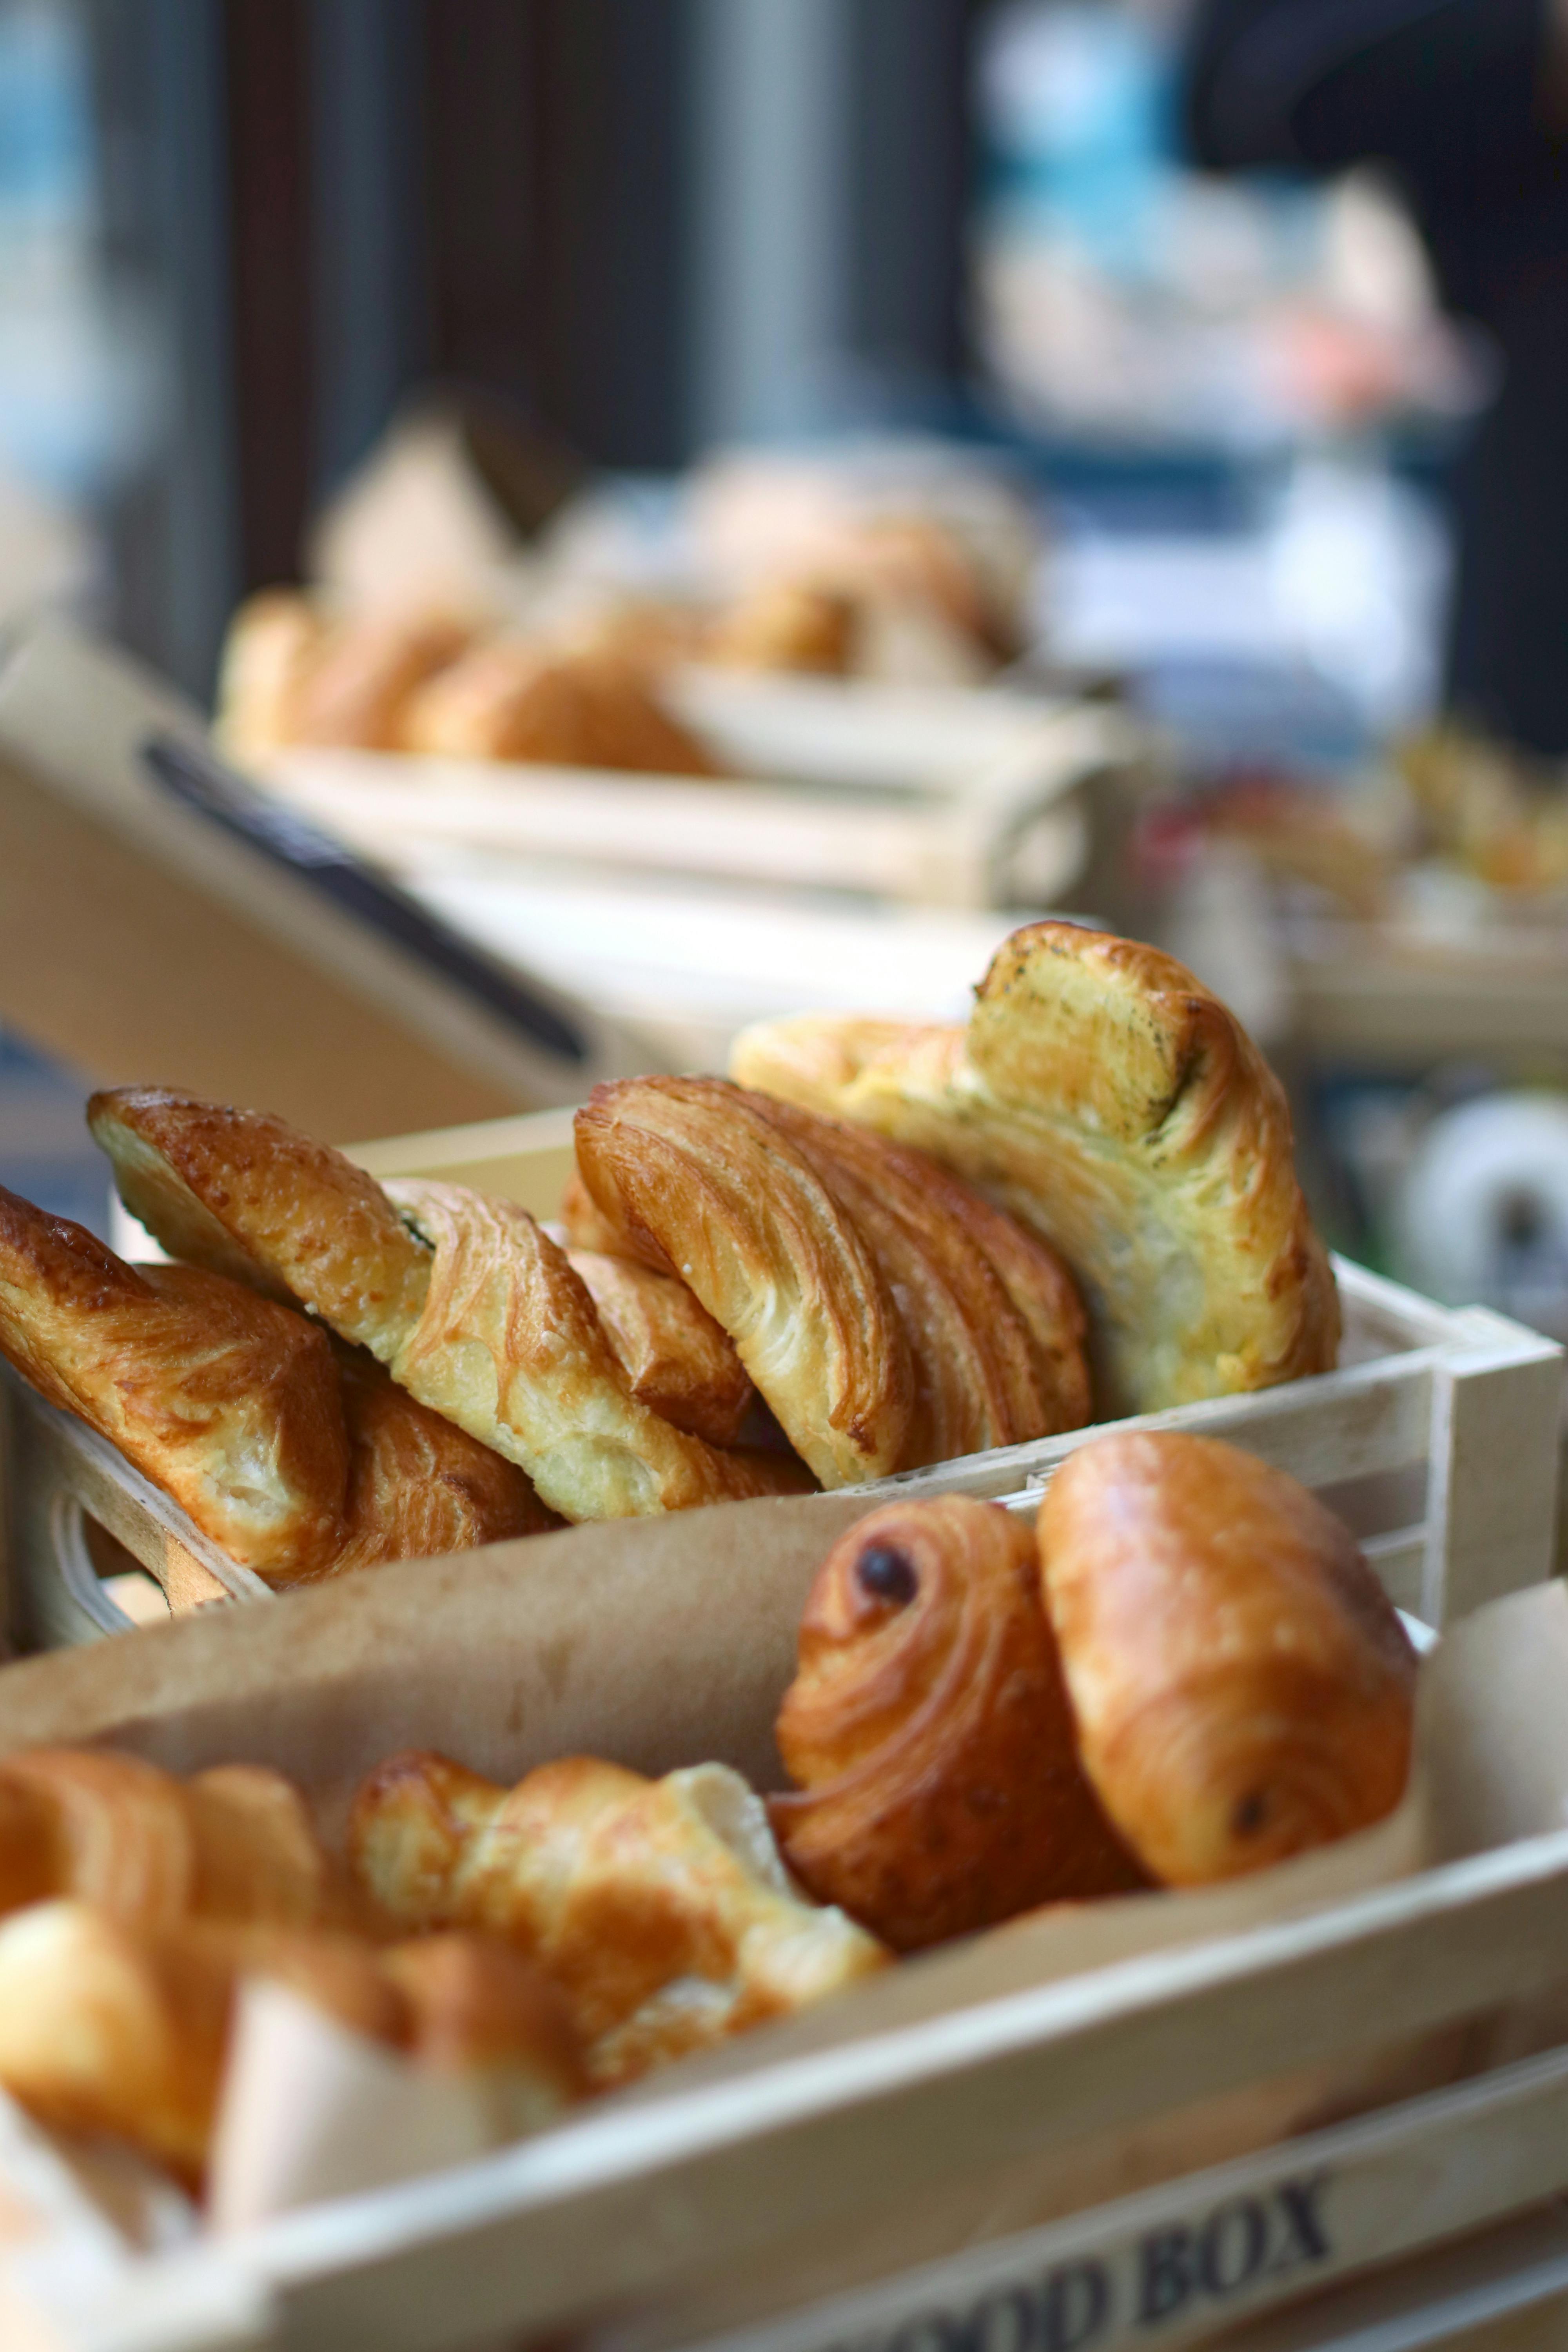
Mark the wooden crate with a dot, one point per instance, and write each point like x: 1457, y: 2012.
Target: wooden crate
x: 1437, y: 1438
x: 939, y: 797
x: 1138, y: 2152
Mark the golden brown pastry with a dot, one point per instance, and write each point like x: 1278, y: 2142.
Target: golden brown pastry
x: 1242, y: 1684
x: 587, y: 708
x: 658, y: 1908
x: 297, y: 1461
x: 361, y: 678
x: 109, y: 2027
x: 1103, y: 1097
x: 226, y: 1401
x: 244, y: 1194
x: 930, y: 1732
x: 676, y: 1358
x: 473, y: 1309
x: 511, y: 1347
x: 272, y: 641
x: 234, y: 1843
x: 419, y: 1486
x: 996, y: 1331
x: 786, y: 625
x: 702, y: 1182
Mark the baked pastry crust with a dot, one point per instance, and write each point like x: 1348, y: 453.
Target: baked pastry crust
x: 234, y: 1843
x: 226, y: 1401
x: 677, y: 1359
x: 510, y: 1347
x: 114, y: 2028
x: 574, y: 707
x: 359, y: 683
x: 419, y: 1486
x: 995, y: 1329
x: 930, y: 1731
x: 1243, y: 1686
x: 244, y: 1194
x: 474, y: 1311
x: 658, y: 1908
x: 1102, y: 1096
x: 696, y: 1179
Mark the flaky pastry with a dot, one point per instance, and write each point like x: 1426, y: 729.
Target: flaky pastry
x: 786, y: 625
x: 1102, y: 1096
x: 362, y: 674
x: 234, y: 1843
x: 700, y: 1181
x: 995, y: 1329
x: 587, y: 708
x: 226, y: 1401
x: 297, y: 1459
x: 675, y: 1356
x: 658, y: 1908
x: 122, y: 2030
x: 474, y: 1311
x: 1243, y: 1688
x: 930, y: 1732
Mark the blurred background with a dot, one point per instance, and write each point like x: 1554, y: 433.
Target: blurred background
x: 1185, y: 376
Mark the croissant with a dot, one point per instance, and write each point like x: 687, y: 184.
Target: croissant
x: 658, y: 1908
x: 111, y: 2028
x: 296, y: 1461
x: 930, y: 1732
x: 271, y: 643
x: 576, y: 707
x: 1243, y: 1688
x: 786, y: 625
x: 702, y: 1182
x: 995, y: 1328
x: 420, y: 1488
x: 1103, y: 1097
x: 227, y: 1401
x: 475, y: 1312
x: 677, y: 1359
x: 362, y: 675
x: 234, y: 1843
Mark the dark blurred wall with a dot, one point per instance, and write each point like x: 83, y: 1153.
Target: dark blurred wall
x: 647, y: 222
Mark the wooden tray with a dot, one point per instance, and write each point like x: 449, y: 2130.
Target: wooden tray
x: 939, y: 797
x: 1437, y: 1437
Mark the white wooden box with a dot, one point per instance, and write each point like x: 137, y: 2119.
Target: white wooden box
x: 942, y: 796
x: 975, y: 2151
x: 1437, y: 1438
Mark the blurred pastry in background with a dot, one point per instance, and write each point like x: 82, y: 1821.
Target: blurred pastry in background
x: 786, y: 625
x: 591, y: 708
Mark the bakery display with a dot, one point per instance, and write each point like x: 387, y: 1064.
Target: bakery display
x: 1104, y: 1097
x: 299, y: 1458
x: 898, y: 1247
x: 659, y: 1909
x: 1180, y: 1671
x: 929, y: 1732
x: 1243, y: 1688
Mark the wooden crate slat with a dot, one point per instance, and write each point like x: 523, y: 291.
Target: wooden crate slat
x: 613, y: 2200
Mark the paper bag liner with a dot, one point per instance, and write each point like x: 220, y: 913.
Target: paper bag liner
x: 661, y: 1642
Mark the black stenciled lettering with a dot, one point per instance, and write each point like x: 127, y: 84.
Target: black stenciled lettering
x: 1232, y: 2245
x: 1306, y: 2236
x: 1074, y: 2306
x: 1002, y: 2323
x: 1166, y: 2275
x: 933, y: 2331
